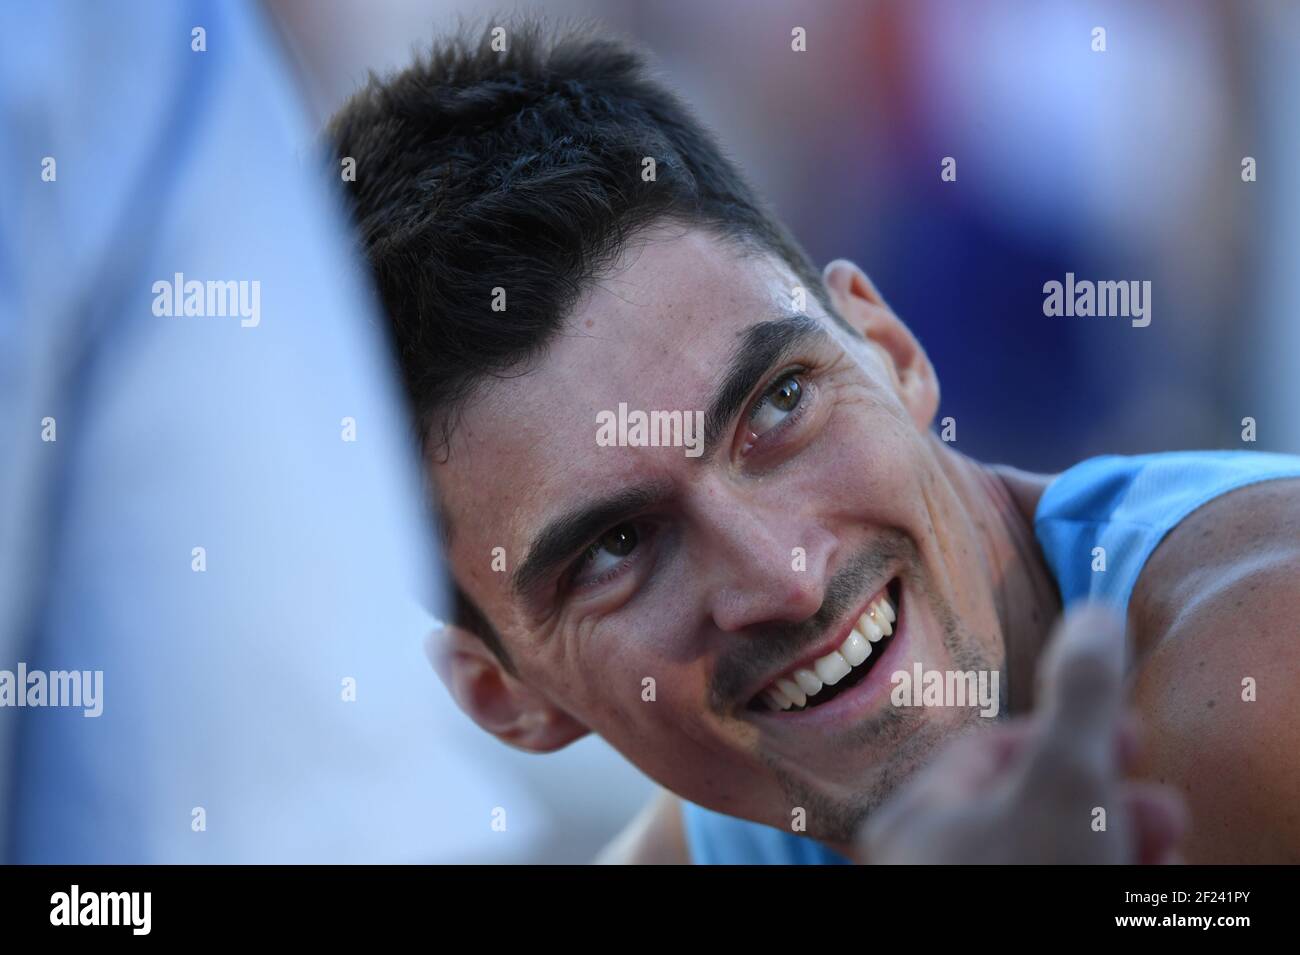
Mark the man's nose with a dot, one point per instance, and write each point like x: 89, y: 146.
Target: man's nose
x: 764, y: 561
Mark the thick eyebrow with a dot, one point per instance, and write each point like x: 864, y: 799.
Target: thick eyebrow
x: 562, y: 537
x: 763, y: 346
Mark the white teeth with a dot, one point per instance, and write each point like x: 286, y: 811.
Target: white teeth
x: 887, y: 608
x: 832, y: 668
x: 855, y: 649
x: 808, y: 681
x: 780, y: 698
x: 795, y: 689
x: 870, y: 629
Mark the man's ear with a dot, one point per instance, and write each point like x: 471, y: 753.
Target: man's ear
x: 497, y: 701
x: 858, y: 302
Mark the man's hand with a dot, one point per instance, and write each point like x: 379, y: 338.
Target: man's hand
x: 1039, y: 789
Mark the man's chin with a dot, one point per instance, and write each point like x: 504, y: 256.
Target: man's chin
x: 837, y: 801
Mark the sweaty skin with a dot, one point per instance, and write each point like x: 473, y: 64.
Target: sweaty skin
x: 695, y: 587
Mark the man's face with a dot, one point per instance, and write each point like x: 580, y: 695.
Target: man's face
x: 652, y: 596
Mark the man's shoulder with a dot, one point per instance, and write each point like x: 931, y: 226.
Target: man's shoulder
x: 1218, y: 655
x: 1099, y: 522
x: 1129, y: 487
x: 1203, y: 550
x: 1242, y: 537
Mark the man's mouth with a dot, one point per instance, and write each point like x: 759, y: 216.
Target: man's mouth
x: 816, y: 682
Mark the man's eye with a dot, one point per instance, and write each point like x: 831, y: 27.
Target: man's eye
x: 777, y: 404
x: 607, y: 553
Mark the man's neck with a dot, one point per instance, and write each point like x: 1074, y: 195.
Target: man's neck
x: 1001, y: 502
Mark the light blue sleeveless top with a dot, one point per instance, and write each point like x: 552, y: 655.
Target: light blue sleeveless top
x: 1125, y: 505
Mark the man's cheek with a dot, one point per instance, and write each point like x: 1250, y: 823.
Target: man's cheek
x: 850, y: 468
x: 619, y: 691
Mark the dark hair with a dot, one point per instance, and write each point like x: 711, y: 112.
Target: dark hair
x: 522, y: 169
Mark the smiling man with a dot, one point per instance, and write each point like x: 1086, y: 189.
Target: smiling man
x: 731, y: 620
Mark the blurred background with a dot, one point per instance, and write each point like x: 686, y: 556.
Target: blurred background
x: 1116, y: 165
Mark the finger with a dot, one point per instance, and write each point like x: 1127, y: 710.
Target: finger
x: 1010, y: 742
x: 951, y: 776
x: 978, y: 767
x: 964, y: 768
x: 1159, y: 818
x: 991, y: 753
x: 1128, y: 741
x: 1081, y: 681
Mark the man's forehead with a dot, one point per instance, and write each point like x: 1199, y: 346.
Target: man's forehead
x: 653, y: 336
x: 655, y: 326
x: 659, y: 323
